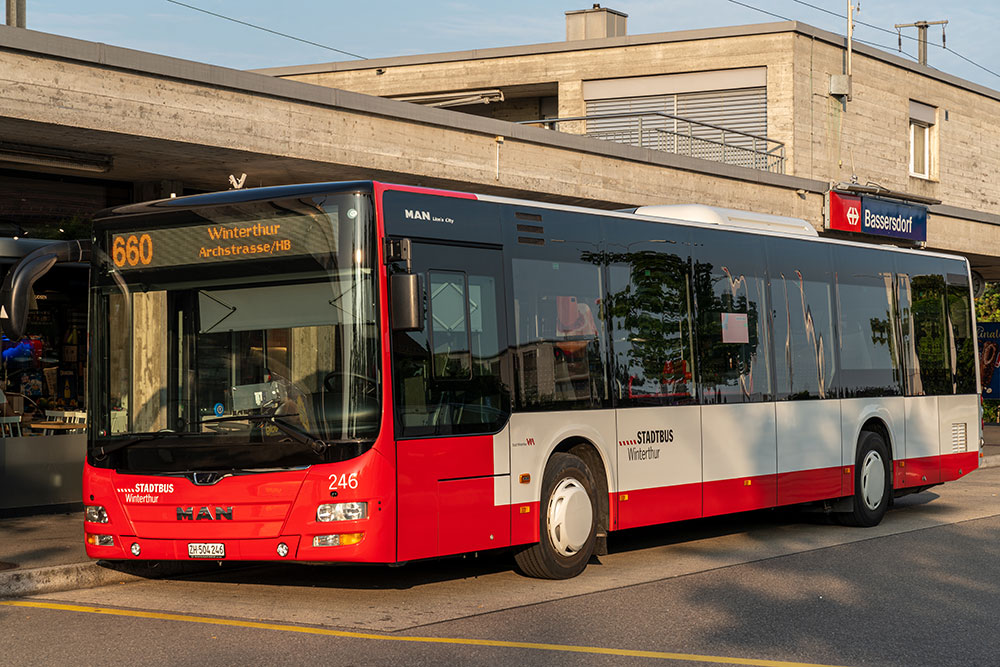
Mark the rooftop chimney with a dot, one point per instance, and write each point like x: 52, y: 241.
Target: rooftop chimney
x: 15, y: 13
x: 595, y: 23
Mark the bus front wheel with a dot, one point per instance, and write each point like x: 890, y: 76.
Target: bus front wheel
x: 872, y: 482
x: 567, y: 521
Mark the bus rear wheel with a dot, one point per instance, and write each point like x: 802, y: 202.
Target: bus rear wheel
x: 872, y: 482
x: 567, y: 521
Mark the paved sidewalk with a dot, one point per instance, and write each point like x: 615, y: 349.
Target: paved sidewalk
x: 44, y: 553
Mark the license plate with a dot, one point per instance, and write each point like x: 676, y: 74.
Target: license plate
x: 206, y: 550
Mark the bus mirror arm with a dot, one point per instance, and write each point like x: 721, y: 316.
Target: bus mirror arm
x: 15, y: 293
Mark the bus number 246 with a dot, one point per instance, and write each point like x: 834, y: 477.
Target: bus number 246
x: 344, y: 481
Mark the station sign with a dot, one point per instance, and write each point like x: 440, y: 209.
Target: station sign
x: 864, y: 214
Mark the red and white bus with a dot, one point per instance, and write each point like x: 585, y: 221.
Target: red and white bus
x: 362, y: 372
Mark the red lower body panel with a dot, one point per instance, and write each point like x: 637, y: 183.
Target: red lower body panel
x: 643, y: 507
x: 805, y: 486
x: 739, y: 495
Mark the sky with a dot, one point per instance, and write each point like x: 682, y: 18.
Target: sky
x: 377, y: 29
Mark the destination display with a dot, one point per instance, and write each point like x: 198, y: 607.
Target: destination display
x: 205, y: 244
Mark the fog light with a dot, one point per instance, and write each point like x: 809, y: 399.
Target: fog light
x: 340, y: 540
x: 136, y: 549
x: 282, y: 549
x: 100, y: 540
x: 95, y: 514
x: 342, y: 511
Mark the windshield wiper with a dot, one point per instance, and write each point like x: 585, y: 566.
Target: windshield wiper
x: 104, y: 450
x: 318, y: 446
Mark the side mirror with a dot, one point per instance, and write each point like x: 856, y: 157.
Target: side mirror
x: 406, y: 302
x: 15, y: 293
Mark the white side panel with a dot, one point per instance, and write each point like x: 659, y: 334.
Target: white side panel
x: 922, y: 429
x: 501, y: 451
x: 808, y: 434
x: 501, y: 490
x: 738, y: 441
x: 659, y: 447
x: 855, y: 412
x: 954, y: 411
x: 533, y: 436
x: 501, y: 467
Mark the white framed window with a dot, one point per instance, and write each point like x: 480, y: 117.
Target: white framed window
x: 923, y: 120
x: 919, y: 149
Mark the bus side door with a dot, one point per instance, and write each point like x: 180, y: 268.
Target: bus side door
x: 451, y: 407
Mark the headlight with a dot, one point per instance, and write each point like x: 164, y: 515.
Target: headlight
x: 342, y: 512
x: 95, y: 514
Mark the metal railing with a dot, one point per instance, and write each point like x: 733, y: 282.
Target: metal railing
x: 672, y: 134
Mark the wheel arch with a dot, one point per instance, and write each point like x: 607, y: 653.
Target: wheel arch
x: 875, y: 425
x: 592, y: 456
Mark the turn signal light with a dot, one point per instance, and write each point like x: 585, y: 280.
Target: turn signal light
x: 100, y: 540
x: 340, y: 540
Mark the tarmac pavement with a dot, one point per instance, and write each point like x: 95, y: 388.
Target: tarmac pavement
x: 44, y: 553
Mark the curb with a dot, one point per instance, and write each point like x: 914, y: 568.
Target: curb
x: 37, y: 580
x: 990, y: 461
x: 58, y: 578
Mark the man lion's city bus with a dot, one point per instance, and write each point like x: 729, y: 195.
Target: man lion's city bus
x: 361, y: 372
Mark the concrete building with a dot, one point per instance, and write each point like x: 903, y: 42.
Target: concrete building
x: 754, y: 117
x: 894, y: 127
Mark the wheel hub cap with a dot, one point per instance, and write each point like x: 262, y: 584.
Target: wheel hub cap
x: 570, y: 517
x: 872, y: 480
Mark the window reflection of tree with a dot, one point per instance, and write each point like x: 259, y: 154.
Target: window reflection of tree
x: 652, y: 310
x: 728, y: 370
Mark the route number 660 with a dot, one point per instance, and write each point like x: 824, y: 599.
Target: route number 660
x: 344, y: 481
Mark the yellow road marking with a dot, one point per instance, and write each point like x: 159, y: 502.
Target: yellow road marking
x: 565, y: 648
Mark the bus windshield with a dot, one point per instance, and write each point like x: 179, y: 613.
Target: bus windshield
x: 238, y: 337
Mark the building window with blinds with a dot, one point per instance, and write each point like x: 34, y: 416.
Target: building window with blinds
x: 716, y: 115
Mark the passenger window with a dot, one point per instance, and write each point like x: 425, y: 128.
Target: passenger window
x: 730, y: 293
x: 802, y: 316
x: 963, y: 340
x: 649, y: 303
x: 869, y: 359
x: 924, y: 327
x: 560, y: 337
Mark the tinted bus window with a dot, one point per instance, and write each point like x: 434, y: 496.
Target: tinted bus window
x: 649, y: 305
x: 926, y: 362
x: 869, y: 361
x: 963, y: 337
x: 448, y: 377
x: 730, y: 293
x: 802, y: 310
x: 559, y: 328
x: 560, y: 338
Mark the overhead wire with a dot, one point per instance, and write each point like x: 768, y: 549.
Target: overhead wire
x: 898, y: 34
x: 273, y: 32
x: 868, y: 25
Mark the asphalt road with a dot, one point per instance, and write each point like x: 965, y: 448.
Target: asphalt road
x: 774, y: 588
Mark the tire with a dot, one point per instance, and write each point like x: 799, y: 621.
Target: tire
x: 567, y: 522
x: 872, y: 482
